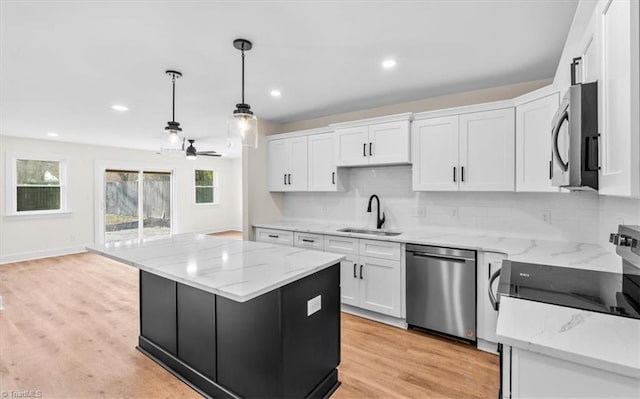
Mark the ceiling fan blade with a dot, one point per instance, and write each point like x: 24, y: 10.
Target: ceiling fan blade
x: 209, y: 154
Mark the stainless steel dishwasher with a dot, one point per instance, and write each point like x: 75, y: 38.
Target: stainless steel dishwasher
x: 441, y: 290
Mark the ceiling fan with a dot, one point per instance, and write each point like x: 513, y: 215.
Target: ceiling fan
x: 192, y: 153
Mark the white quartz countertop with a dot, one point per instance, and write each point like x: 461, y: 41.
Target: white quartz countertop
x: 238, y: 270
x: 598, y: 340
x: 556, y: 253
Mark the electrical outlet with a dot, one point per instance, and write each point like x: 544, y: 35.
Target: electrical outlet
x: 72, y: 238
x: 453, y: 212
x: 419, y: 211
x: 545, y: 216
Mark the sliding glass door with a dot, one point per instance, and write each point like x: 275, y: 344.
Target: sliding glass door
x: 137, y: 204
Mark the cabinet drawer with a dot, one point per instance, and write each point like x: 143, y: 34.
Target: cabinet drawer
x: 341, y: 245
x: 308, y: 240
x: 380, y: 249
x: 282, y: 237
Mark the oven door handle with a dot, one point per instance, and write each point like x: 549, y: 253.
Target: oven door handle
x: 492, y: 297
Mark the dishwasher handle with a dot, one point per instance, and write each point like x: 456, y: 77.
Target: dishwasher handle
x: 439, y: 256
x: 492, y: 297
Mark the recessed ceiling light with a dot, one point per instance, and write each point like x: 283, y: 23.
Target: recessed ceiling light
x: 389, y: 63
x: 52, y: 134
x: 275, y: 93
x: 118, y: 107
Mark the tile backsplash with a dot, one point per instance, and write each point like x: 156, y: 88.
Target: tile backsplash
x: 579, y: 216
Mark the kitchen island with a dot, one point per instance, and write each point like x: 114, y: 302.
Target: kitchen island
x: 235, y: 318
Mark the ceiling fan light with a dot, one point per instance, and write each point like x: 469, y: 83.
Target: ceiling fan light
x: 191, y: 157
x: 191, y: 151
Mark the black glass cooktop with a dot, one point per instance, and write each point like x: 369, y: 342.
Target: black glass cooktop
x: 575, y: 288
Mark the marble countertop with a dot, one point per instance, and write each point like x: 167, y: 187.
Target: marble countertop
x: 556, y: 253
x: 238, y: 270
x: 598, y: 340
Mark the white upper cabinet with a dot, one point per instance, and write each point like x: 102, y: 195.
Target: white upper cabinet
x: 434, y: 146
x: 472, y: 151
x: 378, y: 141
x: 533, y: 143
x: 619, y: 88
x: 351, y: 144
x: 277, y: 164
x: 389, y: 143
x: 323, y: 173
x: 487, y: 151
x: 287, y: 164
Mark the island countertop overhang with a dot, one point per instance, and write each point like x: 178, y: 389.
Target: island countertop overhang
x: 237, y: 270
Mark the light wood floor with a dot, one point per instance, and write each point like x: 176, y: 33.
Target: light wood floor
x: 70, y: 327
x: 234, y: 235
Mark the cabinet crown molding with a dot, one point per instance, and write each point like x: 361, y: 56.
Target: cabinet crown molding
x: 407, y: 116
x: 307, y: 132
x: 466, y: 109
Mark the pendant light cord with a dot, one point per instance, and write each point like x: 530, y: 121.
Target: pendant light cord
x: 243, y: 76
x: 173, y: 106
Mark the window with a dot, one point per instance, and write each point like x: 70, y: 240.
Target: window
x: 206, y: 187
x: 38, y: 186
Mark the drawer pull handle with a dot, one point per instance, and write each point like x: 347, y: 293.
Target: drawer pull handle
x: 355, y: 275
x: 273, y: 236
x: 364, y: 149
x: 333, y: 177
x: 361, y: 272
x: 308, y: 240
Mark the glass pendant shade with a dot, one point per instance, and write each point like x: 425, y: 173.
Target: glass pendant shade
x: 243, y: 126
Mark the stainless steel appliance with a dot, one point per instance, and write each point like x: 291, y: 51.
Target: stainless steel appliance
x: 574, y: 139
x: 627, y: 242
x: 441, y: 290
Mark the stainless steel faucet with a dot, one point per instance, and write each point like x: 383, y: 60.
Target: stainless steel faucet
x: 379, y: 221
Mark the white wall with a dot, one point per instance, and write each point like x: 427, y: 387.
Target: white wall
x: 23, y: 237
x: 259, y: 205
x: 581, y: 217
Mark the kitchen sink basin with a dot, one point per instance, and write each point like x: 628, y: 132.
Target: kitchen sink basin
x: 373, y: 232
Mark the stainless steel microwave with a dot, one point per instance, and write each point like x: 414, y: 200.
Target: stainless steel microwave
x: 574, y: 139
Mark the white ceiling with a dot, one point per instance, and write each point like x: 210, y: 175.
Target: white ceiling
x: 63, y: 64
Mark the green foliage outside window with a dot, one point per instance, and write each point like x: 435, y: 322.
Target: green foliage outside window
x: 38, y: 185
x: 205, y: 183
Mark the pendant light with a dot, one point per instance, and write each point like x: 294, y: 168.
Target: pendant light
x: 242, y: 123
x: 173, y: 128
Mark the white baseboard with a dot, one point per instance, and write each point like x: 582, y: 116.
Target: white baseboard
x: 47, y: 253
x: 487, y: 346
x: 381, y: 318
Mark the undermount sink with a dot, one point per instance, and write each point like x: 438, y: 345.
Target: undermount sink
x: 365, y: 231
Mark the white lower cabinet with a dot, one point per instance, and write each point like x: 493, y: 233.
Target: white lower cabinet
x: 487, y: 316
x: 371, y: 274
x: 282, y: 237
x: 379, y: 285
x: 349, y: 284
x: 533, y: 375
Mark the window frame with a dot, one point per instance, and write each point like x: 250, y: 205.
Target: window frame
x: 215, y: 187
x: 11, y: 183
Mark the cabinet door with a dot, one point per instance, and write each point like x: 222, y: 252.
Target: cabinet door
x: 349, y: 280
x: 533, y: 144
x: 352, y: 146
x: 434, y: 144
x: 618, y: 91
x: 389, y: 143
x: 277, y: 164
x: 379, y: 285
x: 487, y: 151
x: 322, y: 167
x: 297, y: 175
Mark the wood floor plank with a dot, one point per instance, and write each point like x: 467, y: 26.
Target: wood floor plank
x: 70, y: 327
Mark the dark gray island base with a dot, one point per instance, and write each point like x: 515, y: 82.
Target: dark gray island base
x: 267, y: 347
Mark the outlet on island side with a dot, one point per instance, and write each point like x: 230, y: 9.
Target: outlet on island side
x: 545, y: 216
